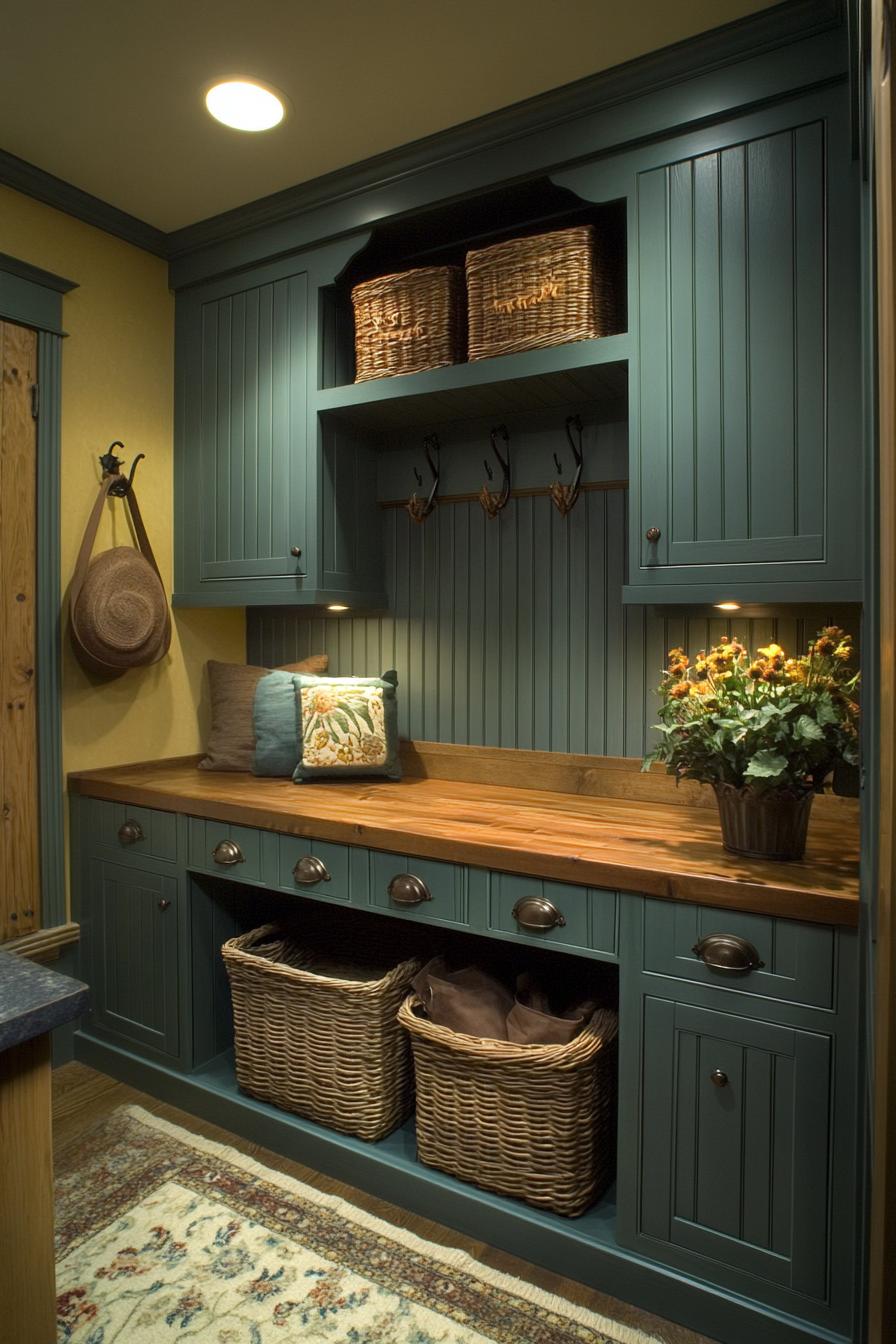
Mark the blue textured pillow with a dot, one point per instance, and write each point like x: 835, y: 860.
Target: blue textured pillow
x: 349, y: 727
x: 275, y: 717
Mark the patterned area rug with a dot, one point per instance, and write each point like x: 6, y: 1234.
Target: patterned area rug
x: 164, y: 1236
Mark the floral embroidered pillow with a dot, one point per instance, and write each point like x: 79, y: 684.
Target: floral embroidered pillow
x: 348, y: 727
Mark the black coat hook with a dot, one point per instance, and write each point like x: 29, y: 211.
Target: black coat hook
x: 112, y: 465
x: 422, y: 508
x: 565, y: 496
x: 494, y: 501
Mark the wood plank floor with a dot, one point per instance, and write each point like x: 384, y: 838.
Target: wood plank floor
x: 82, y: 1097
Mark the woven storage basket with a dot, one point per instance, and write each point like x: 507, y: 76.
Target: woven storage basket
x: 407, y: 322
x: 535, y: 1121
x: 538, y: 291
x: 324, y: 1047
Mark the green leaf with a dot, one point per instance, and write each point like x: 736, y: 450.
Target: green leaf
x: 808, y: 729
x: 351, y: 712
x: 766, y: 765
x: 825, y: 712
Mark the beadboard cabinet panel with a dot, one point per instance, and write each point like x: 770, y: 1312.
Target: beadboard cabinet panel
x: 243, y: 428
x: 735, y: 1142
x: 266, y: 508
x: 748, y: 394
x: 132, y: 914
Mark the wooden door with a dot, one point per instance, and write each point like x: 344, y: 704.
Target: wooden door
x: 19, y: 816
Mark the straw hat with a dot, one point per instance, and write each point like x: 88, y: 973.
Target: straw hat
x: 119, y: 612
x: 121, y: 615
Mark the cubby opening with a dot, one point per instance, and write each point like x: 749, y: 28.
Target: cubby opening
x: 222, y: 909
x: 443, y: 235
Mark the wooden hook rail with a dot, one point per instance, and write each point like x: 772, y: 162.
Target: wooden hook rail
x: 530, y: 492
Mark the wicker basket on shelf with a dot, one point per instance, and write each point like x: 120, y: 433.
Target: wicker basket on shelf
x: 532, y: 292
x: 408, y: 322
x: 319, y: 1037
x: 534, y: 1121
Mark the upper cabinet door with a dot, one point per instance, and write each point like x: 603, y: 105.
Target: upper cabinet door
x: 747, y: 415
x: 243, y: 453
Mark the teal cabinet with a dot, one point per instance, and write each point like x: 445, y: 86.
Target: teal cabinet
x: 263, y: 496
x: 131, y: 954
x: 745, y: 408
x: 247, y: 429
x: 735, y: 1143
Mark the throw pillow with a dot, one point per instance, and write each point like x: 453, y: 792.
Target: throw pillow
x: 348, y: 727
x: 276, y: 719
x: 231, y: 740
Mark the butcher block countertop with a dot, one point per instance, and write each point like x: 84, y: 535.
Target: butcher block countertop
x: 593, y: 821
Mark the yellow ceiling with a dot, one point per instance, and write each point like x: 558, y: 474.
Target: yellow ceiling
x: 107, y: 94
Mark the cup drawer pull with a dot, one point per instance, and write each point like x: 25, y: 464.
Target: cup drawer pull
x: 728, y: 953
x: 227, y: 853
x: 537, y: 914
x: 406, y: 889
x: 130, y: 831
x: 309, y: 870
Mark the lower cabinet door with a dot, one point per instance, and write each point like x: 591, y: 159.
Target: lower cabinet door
x: 735, y: 1142
x: 134, y: 989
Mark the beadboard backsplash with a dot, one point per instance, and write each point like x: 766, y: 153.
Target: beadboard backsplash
x: 511, y: 632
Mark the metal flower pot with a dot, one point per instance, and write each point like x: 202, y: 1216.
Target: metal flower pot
x: 766, y: 825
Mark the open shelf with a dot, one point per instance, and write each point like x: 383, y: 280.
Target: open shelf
x: 397, y: 1154
x: 560, y: 375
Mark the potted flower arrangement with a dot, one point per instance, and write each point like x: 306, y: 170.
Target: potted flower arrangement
x: 765, y: 731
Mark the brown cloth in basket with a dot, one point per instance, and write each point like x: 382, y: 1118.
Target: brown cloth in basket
x: 469, y: 1000
x: 474, y: 1002
x: 531, y: 1021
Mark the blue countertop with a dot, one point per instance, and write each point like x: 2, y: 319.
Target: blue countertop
x: 34, y: 999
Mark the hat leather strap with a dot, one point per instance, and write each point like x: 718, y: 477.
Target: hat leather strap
x: 82, y: 563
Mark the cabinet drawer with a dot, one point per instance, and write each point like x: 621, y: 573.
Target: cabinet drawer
x: 316, y: 868
x: 238, y: 849
x: 735, y: 1139
x: 798, y: 958
x: 133, y: 832
x: 440, y: 894
x: 586, y: 920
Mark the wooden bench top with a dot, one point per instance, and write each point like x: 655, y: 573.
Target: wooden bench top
x: 599, y: 824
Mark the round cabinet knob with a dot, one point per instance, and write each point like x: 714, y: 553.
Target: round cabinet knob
x: 406, y: 889
x: 718, y: 1078
x: 296, y: 551
x: 129, y: 832
x: 538, y: 914
x: 653, y: 534
x: 728, y: 953
x: 309, y: 870
x: 227, y: 853
x: 164, y: 905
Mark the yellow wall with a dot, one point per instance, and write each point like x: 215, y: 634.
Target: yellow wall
x: 117, y: 383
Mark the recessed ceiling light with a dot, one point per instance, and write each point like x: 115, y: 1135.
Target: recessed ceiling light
x: 245, y: 104
x: 336, y: 606
x: 728, y: 606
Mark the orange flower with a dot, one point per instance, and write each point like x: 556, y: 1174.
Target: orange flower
x: 681, y: 691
